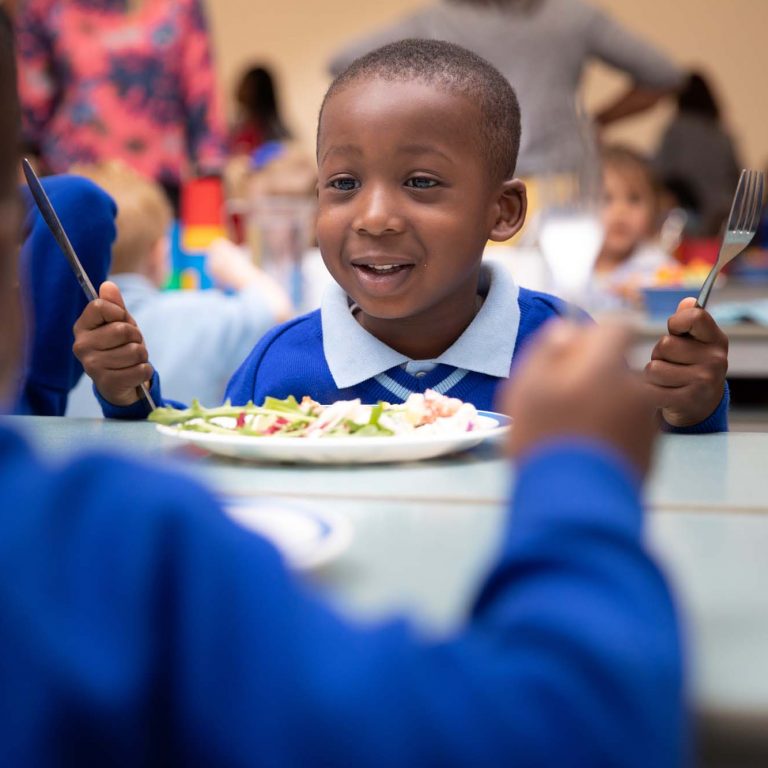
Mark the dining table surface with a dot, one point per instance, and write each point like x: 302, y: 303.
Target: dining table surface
x: 424, y: 534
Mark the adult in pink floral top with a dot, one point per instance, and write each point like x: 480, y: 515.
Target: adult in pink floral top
x: 127, y: 79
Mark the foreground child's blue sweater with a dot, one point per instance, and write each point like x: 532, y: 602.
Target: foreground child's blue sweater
x: 141, y: 627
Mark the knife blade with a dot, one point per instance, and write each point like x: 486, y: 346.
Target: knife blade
x: 51, y: 218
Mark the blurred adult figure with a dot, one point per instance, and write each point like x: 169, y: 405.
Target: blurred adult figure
x: 541, y: 46
x: 258, y: 120
x: 10, y: 7
x: 120, y: 79
x: 697, y: 154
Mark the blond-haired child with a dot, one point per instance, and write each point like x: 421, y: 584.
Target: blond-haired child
x: 195, y: 338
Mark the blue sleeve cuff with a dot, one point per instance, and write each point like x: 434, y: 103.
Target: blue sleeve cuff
x: 136, y: 411
x: 717, y: 421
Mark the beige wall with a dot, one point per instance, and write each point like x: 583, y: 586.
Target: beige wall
x: 727, y: 37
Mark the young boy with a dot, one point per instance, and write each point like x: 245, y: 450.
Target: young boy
x: 416, y: 148
x: 140, y: 626
x: 196, y: 337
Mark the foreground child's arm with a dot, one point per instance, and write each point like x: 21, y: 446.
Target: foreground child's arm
x: 687, y: 371
x: 574, y: 632
x: 111, y: 349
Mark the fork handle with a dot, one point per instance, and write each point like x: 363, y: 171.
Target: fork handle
x: 706, y: 288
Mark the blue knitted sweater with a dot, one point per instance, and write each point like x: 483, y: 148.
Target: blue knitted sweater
x: 289, y: 360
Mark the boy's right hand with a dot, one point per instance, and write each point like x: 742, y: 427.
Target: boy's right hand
x: 110, y: 347
x: 574, y: 382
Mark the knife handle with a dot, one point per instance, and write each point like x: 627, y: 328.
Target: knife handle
x: 143, y: 391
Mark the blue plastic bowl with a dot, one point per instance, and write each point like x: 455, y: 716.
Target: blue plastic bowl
x: 660, y: 303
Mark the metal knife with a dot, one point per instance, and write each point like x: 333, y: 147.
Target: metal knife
x: 57, y: 230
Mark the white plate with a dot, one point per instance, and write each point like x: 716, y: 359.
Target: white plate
x: 343, y: 450
x: 306, y: 537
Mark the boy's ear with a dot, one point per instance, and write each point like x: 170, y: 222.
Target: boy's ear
x: 511, y: 207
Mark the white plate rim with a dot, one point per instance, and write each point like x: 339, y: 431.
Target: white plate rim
x: 497, y: 425
x: 328, y: 548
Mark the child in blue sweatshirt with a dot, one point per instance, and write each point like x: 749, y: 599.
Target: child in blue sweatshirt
x: 52, y: 296
x: 140, y: 626
x: 416, y: 149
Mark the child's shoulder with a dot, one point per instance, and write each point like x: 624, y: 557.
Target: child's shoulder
x: 289, y: 359
x: 289, y: 344
x: 300, y: 333
x: 537, y: 307
x: 68, y: 191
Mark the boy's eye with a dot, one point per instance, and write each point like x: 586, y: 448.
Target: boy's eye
x: 344, y: 184
x: 420, y: 182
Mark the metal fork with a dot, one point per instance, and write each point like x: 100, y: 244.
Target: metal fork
x: 742, y: 225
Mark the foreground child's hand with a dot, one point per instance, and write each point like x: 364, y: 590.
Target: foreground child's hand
x: 688, y: 366
x: 110, y: 347
x: 575, y: 382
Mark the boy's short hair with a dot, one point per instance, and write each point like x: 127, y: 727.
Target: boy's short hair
x: 143, y: 212
x: 455, y: 69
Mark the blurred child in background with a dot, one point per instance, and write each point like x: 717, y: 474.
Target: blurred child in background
x: 264, y: 159
x: 631, y: 254
x: 195, y: 337
x: 258, y: 120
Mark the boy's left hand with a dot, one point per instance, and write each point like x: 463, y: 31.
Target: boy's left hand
x: 688, y: 366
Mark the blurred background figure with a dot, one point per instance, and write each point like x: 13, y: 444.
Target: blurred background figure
x: 52, y: 298
x: 271, y: 185
x: 542, y: 46
x: 697, y: 159
x: 258, y: 119
x: 632, y: 254
x: 196, y: 338
x: 127, y: 79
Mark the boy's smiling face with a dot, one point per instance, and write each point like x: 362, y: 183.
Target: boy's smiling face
x: 407, y: 202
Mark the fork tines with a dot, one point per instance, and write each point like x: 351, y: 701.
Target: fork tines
x: 747, y: 203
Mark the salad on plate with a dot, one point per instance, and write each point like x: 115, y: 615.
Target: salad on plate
x: 427, y: 414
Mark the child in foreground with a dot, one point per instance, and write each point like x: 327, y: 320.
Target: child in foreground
x: 416, y: 149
